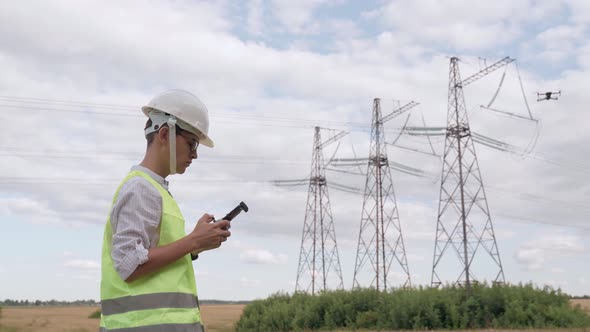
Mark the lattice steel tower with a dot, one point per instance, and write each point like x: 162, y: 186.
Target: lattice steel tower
x: 380, y: 242
x: 464, y: 225
x: 319, y: 263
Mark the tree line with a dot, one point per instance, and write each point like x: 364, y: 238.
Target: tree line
x: 422, y: 308
x: 25, y: 303
x: 15, y: 303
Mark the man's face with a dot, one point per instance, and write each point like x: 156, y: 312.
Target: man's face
x: 186, y: 150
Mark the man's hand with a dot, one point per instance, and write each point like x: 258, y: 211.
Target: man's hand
x: 208, y: 234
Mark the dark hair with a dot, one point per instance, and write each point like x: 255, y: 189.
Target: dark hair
x: 150, y: 136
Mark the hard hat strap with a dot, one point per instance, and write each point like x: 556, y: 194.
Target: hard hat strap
x: 172, y: 139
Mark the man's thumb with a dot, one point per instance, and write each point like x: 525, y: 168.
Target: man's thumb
x: 205, y: 219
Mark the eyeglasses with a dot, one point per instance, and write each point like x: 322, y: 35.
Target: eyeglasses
x: 193, y: 142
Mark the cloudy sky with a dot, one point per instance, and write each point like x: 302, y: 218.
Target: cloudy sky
x: 75, y: 74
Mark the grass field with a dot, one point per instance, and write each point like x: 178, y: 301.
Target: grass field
x: 585, y: 304
x: 217, y: 318
x: 50, y: 319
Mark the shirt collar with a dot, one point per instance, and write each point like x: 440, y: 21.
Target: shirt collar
x: 152, y: 174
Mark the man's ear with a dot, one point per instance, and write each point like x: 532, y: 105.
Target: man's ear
x: 163, y: 134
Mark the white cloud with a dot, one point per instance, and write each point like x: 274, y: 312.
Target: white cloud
x: 260, y: 256
x: 255, y: 20
x: 560, y: 35
x: 557, y: 43
x: 82, y: 264
x: 35, y: 211
x: 580, y: 10
x: 342, y: 28
x: 535, y: 254
x: 455, y: 25
x: 531, y: 257
x: 202, y: 273
x: 245, y: 282
x: 556, y: 284
x: 62, y: 168
x: 296, y: 16
x: 416, y: 258
x: 504, y: 234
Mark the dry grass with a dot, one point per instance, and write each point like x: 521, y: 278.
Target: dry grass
x: 217, y: 318
x: 221, y: 317
x: 48, y: 319
x: 584, y: 304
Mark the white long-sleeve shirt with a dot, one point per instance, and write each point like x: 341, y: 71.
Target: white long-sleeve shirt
x: 135, y: 221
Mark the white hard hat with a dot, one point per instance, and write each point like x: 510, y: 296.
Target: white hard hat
x: 191, y: 114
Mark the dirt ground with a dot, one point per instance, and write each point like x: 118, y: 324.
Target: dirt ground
x: 217, y: 318
x: 221, y: 317
x: 50, y: 319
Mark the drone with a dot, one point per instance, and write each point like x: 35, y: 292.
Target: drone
x: 548, y: 95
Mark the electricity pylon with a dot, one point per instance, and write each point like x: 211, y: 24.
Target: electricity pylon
x: 319, y: 253
x: 464, y: 224
x: 380, y: 242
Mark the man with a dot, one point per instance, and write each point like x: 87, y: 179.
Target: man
x: 148, y: 281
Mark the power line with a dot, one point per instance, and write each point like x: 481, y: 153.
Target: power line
x: 105, y: 181
x: 63, y: 102
x: 88, y: 181
x: 540, y: 221
x: 129, y: 111
x: 535, y: 198
x: 122, y: 155
x: 504, y: 147
x: 8, y: 151
x: 258, y: 120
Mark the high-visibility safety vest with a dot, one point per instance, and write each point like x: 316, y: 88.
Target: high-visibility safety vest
x: 161, y: 301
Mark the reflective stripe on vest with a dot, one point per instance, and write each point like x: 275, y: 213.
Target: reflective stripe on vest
x: 160, y: 328
x: 148, y: 301
x: 162, y: 301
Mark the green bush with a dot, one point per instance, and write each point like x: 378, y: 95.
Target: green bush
x: 95, y: 314
x: 421, y: 308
